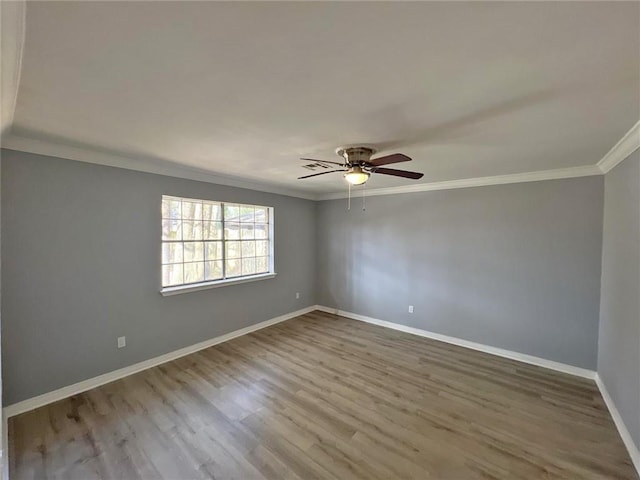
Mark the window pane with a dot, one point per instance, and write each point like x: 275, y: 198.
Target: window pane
x: 213, y: 251
x: 171, y: 230
x: 212, y: 230
x: 248, y: 266
x: 172, y: 252
x: 248, y: 248
x: 213, y: 270
x: 231, y: 231
x: 193, y: 251
x: 262, y: 230
x: 233, y: 267
x: 193, y: 272
x: 171, y: 208
x: 232, y: 249
x: 231, y: 213
x: 191, y: 230
x: 172, y: 275
x: 262, y: 248
x: 262, y: 264
x: 246, y: 231
x: 211, y: 211
x: 247, y: 214
x: 262, y: 215
x: 191, y: 210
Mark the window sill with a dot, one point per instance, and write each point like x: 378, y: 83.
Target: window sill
x: 168, y: 291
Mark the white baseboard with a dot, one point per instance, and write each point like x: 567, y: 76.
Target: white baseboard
x: 76, y: 388
x: 4, y: 468
x: 83, y: 386
x: 500, y: 352
x: 632, y: 448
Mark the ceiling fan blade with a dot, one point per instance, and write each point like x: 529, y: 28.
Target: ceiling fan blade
x: 388, y: 159
x: 398, y: 173
x: 321, y: 173
x: 320, y: 161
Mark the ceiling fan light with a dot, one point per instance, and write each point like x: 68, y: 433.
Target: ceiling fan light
x: 356, y: 176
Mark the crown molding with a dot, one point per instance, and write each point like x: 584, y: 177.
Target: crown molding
x: 141, y: 164
x: 572, y: 172
x: 12, y: 32
x: 621, y: 150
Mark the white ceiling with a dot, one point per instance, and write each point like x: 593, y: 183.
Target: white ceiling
x: 244, y: 89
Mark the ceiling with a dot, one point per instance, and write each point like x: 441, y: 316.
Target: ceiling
x: 245, y: 89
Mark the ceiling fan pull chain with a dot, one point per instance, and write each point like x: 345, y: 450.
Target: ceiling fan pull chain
x: 364, y: 197
x: 349, y: 201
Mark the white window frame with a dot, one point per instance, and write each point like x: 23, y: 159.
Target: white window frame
x: 194, y: 287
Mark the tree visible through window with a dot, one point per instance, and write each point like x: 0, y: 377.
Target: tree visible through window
x: 205, y: 241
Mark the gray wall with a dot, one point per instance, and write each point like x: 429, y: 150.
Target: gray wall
x: 512, y: 266
x: 80, y: 267
x: 619, y: 342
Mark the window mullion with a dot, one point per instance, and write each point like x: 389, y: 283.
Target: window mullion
x: 182, y: 236
x: 224, y: 246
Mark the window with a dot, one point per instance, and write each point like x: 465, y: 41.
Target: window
x: 207, y: 243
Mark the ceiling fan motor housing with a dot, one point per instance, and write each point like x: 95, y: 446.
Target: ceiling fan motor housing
x: 356, y: 155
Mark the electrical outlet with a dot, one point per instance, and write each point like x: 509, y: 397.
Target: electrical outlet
x: 410, y: 308
x: 297, y: 295
x: 122, y: 342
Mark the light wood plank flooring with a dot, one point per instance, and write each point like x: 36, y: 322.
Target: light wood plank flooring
x: 322, y: 396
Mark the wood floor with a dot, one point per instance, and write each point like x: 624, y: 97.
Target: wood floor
x: 322, y: 396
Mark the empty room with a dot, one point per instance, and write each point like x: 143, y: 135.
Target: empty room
x: 320, y: 240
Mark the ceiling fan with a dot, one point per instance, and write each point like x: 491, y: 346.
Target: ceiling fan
x: 358, y: 164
